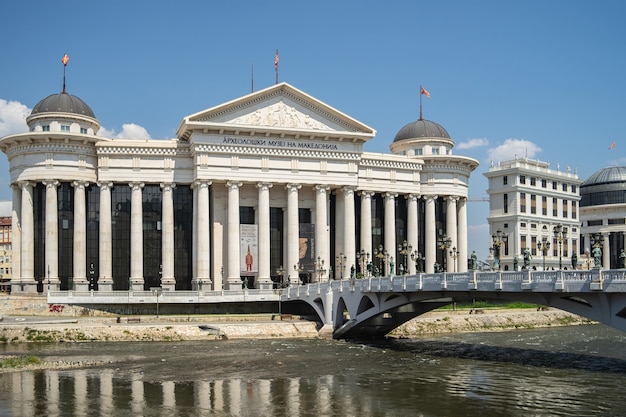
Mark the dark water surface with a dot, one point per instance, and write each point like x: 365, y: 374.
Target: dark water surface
x: 567, y: 371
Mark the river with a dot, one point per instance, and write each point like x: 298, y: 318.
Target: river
x: 563, y: 371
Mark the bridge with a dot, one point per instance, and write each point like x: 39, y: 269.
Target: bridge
x: 372, y: 307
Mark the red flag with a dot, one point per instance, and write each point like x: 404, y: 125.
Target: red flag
x: 612, y: 145
x: 276, y: 60
x: 423, y: 91
x: 65, y: 60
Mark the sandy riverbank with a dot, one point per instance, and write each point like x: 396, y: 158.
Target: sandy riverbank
x: 212, y: 328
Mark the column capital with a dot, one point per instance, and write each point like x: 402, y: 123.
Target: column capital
x: 264, y: 186
x: 351, y: 188
x: 452, y: 198
x: 168, y: 186
x: 50, y: 183
x: 430, y: 197
x: 234, y: 185
x: 24, y: 184
x: 136, y: 185
x: 80, y: 184
x: 201, y: 184
x: 105, y: 184
x: 321, y: 188
x: 293, y: 187
x: 412, y: 197
x: 390, y: 195
x: 366, y: 193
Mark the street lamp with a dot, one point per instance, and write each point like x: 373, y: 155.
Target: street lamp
x: 157, y: 291
x: 404, y: 249
x: 319, y: 268
x: 418, y: 259
x: 281, y: 271
x: 298, y: 268
x: 380, y: 255
x: 454, y: 254
x: 560, y: 234
x: 544, y: 246
x: 363, y: 259
x: 444, y: 244
x: 341, y: 264
x: 497, y: 242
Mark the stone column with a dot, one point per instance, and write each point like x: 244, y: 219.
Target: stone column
x: 430, y: 236
x: 412, y: 229
x: 80, y: 237
x: 168, y: 280
x: 264, y: 281
x: 105, y: 239
x: 52, y: 235
x: 321, y: 228
x: 366, y: 222
x: 451, y: 231
x: 349, y: 229
x: 16, y: 241
x: 202, y: 244
x: 390, y: 231
x: 293, y: 232
x: 136, y: 236
x: 462, y: 234
x: 27, y: 282
x: 339, y: 228
x: 606, y: 251
x: 234, y: 269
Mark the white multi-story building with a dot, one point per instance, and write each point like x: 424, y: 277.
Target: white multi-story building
x: 536, y: 208
x: 265, y: 189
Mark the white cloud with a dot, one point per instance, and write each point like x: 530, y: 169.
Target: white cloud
x: 129, y: 131
x: 512, y: 148
x: 13, y: 117
x: 473, y: 143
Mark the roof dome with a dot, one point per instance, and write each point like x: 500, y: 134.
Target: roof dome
x: 422, y: 129
x: 62, y: 103
x: 606, y: 175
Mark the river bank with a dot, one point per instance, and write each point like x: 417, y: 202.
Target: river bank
x: 177, y: 328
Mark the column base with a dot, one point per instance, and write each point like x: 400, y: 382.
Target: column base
x: 137, y: 284
x: 105, y: 286
x: 23, y: 287
x: 81, y: 286
x: 266, y: 285
x: 233, y: 285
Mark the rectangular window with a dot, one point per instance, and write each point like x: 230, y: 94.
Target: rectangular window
x: 544, y: 183
x: 554, y: 207
x: 573, y: 188
x: 594, y: 223
x: 564, y: 187
x: 533, y: 204
x: 435, y: 150
x: 505, y: 180
x: 544, y: 205
x: 523, y: 242
x: 522, y: 202
x: 565, y: 209
x: 522, y: 179
x: 533, y: 181
x: 533, y: 245
x: 419, y: 151
x: 65, y: 128
x: 616, y: 221
x: 45, y: 128
x: 83, y: 130
x: 506, y: 203
x: 246, y: 215
x: 574, y: 209
x: 554, y: 185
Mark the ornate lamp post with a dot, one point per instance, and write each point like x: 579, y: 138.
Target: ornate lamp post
x: 380, y: 254
x: 560, y: 234
x: 544, y: 246
x: 281, y: 271
x: 363, y: 258
x: 405, y: 249
x: 497, y: 241
x: 298, y: 268
x: 341, y: 264
x: 444, y: 243
x: 319, y: 268
x: 418, y: 259
x: 454, y: 254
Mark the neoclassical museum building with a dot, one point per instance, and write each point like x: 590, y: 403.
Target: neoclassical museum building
x: 268, y: 189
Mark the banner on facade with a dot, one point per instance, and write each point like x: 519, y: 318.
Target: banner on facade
x: 306, y: 248
x: 249, y: 249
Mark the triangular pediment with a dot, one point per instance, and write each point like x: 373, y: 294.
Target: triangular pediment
x: 280, y: 108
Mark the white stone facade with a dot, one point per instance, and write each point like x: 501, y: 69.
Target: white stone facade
x: 255, y: 191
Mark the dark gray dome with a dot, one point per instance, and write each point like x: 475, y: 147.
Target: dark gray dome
x: 62, y: 103
x: 421, y: 129
x: 606, y: 175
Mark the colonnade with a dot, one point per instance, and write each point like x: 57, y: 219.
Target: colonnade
x: 345, y: 232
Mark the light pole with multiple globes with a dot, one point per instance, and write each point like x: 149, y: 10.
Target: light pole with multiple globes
x: 444, y: 244
x: 380, y: 254
x: 544, y: 247
x: 341, y: 264
x: 281, y: 271
x: 454, y: 254
x: 363, y: 258
x: 405, y: 249
x: 560, y: 234
x: 319, y: 268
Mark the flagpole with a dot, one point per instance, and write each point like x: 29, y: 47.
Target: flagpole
x: 276, y: 66
x: 252, y: 75
x: 420, y: 93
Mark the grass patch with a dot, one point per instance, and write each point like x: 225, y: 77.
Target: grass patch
x: 487, y: 304
x: 20, y: 362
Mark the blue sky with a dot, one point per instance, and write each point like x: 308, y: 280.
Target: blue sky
x: 543, y: 79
